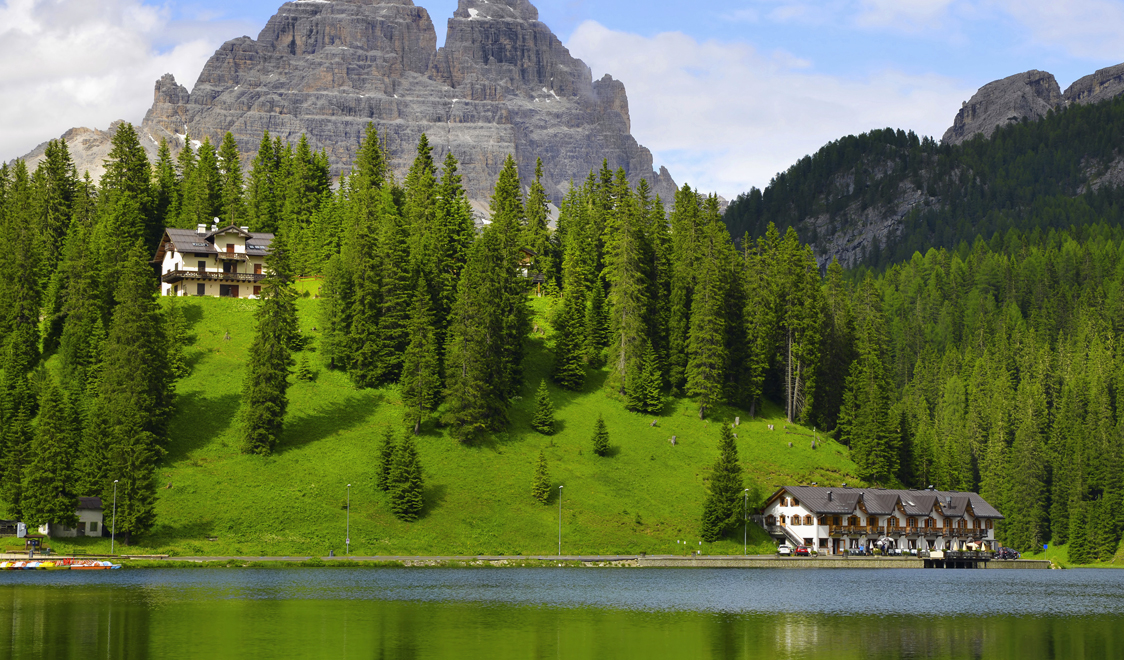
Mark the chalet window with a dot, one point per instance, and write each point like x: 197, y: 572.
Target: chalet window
x: 257, y: 290
x: 230, y: 248
x: 872, y: 521
x: 891, y: 522
x: 989, y: 524
x: 853, y: 521
x: 913, y: 523
x: 807, y: 520
x: 200, y: 289
x: 822, y: 520
x: 94, y: 526
x: 257, y: 269
x: 202, y: 266
x: 780, y: 518
x: 230, y: 267
x: 947, y: 523
x: 835, y: 521
x: 975, y: 524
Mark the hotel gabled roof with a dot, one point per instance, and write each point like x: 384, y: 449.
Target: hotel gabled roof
x: 884, y: 501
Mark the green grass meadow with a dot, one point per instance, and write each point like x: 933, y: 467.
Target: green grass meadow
x: 645, y: 497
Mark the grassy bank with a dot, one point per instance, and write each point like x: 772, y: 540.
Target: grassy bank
x: 646, y: 497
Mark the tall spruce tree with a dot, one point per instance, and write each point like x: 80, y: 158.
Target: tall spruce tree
x: 600, y: 437
x: 231, y: 183
x: 129, y: 429
x: 265, y: 391
x: 625, y: 249
x: 569, y: 343
x: 724, y: 494
x: 543, y: 421
x: 387, y: 450
x: 540, y: 485
x: 407, y: 486
x: 48, y: 484
x: 706, y: 345
x: 421, y: 380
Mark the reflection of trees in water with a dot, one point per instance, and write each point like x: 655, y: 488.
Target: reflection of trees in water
x: 47, y: 622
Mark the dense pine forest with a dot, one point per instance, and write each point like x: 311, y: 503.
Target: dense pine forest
x: 988, y: 365
x: 1031, y: 175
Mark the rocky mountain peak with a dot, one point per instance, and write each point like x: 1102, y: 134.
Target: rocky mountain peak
x: 1100, y: 86
x: 517, y: 10
x: 1028, y: 95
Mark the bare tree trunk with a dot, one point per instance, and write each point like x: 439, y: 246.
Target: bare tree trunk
x: 788, y: 378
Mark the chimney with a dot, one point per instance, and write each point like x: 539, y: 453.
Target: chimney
x: 201, y: 228
x: 950, y: 502
x: 245, y: 229
x: 829, y: 496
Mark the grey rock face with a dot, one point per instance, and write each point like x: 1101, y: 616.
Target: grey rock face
x: 502, y: 84
x: 1028, y: 95
x: 1103, y: 85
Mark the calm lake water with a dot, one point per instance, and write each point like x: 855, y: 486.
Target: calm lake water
x: 562, y: 613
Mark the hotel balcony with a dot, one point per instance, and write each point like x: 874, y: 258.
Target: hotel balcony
x: 175, y: 276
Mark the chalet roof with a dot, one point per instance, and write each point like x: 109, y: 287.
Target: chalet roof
x: 90, y: 503
x: 884, y: 501
x: 189, y: 241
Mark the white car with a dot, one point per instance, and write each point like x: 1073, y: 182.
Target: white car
x: 784, y: 551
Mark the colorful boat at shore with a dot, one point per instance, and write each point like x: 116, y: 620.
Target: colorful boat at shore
x: 58, y: 565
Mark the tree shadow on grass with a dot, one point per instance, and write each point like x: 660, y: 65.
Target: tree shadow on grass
x: 163, y: 534
x: 198, y: 419
x: 328, y: 420
x: 434, y: 495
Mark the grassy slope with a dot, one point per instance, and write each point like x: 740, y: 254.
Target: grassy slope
x: 645, y: 497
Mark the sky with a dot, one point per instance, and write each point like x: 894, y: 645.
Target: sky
x: 725, y: 94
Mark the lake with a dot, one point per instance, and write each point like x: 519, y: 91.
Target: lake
x: 562, y: 613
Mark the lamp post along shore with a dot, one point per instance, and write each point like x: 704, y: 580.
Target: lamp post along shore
x: 559, y: 521
x: 745, y: 524
x: 113, y: 529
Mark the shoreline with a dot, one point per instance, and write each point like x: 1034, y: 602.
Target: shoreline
x: 551, y: 561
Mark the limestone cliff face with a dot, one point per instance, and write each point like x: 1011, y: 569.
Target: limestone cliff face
x: 1028, y: 95
x: 502, y: 84
x: 1103, y: 85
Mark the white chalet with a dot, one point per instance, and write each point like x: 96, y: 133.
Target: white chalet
x: 90, y: 521
x: 227, y: 262
x: 831, y: 520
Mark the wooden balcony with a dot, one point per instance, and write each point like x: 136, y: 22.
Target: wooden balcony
x: 174, y: 276
x: 865, y: 530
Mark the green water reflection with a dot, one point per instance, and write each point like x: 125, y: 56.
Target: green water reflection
x: 245, y: 620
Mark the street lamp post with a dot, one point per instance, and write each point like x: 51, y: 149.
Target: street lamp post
x: 559, y: 521
x: 347, y: 538
x: 745, y: 524
x: 113, y: 530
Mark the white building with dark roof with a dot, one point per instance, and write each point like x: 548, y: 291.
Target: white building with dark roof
x: 90, y: 521
x: 226, y: 262
x: 831, y: 520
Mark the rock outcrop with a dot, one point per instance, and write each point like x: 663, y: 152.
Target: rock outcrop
x: 502, y: 84
x: 1028, y: 95
x: 1103, y: 85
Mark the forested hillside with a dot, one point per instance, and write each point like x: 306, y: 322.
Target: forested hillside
x: 878, y: 197
x: 991, y: 366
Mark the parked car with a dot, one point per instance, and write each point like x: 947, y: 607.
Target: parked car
x: 803, y: 551
x: 1006, y: 553
x: 784, y: 551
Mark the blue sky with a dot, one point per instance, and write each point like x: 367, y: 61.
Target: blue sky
x: 725, y: 93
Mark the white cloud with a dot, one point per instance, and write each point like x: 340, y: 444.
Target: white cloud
x: 910, y: 15
x: 67, y: 63
x: 752, y: 114
x: 1084, y: 28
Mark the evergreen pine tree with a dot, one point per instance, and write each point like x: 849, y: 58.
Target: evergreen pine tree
x: 134, y: 392
x: 453, y: 238
x: 387, y: 450
x: 685, y: 239
x: 421, y: 382
x: 596, y: 330
x: 48, y: 484
x: 721, y: 508
x: 543, y: 421
x: 17, y: 437
x: 176, y: 332
x: 262, y: 188
x: 569, y: 346
x: 649, y: 395
x: 406, y: 482
x: 265, y: 390
x: 540, y: 486
x: 1078, y: 546
x: 166, y: 189
x: 706, y: 345
x: 626, y: 273
x: 231, y: 182
x: 304, y: 370
x: 600, y: 437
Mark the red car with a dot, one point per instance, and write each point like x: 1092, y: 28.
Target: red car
x: 803, y: 551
